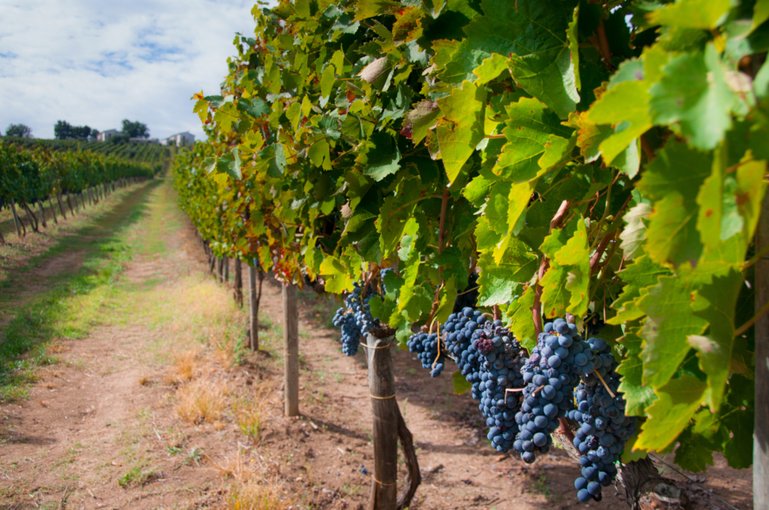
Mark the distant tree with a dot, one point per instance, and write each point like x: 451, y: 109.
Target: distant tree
x: 135, y: 129
x: 63, y: 130
x: 81, y: 132
x: 18, y: 131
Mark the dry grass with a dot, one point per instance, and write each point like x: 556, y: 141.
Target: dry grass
x: 201, y: 401
x: 247, y: 492
x: 254, y: 495
x: 225, y: 349
x: 248, y: 417
x: 184, y: 367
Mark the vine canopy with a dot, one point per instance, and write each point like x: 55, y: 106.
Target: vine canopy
x: 604, y: 160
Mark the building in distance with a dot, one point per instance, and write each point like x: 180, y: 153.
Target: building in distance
x: 180, y: 139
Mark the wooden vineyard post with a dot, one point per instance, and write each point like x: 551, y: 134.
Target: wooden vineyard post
x: 53, y: 210
x: 253, y: 307
x: 381, y: 383
x: 761, y: 329
x: 238, y: 282
x: 291, y: 343
x: 61, y: 207
x: 42, y: 213
x: 21, y: 231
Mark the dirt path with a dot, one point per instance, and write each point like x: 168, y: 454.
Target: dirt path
x: 160, y: 407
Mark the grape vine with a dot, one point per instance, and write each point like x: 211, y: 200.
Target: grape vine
x: 601, y: 160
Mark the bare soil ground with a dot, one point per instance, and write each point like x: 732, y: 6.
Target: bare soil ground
x: 159, y: 407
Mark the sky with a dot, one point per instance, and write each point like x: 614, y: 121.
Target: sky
x: 96, y: 62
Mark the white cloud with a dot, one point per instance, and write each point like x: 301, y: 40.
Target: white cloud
x: 97, y: 62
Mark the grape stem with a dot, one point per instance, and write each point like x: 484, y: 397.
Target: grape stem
x: 745, y: 327
x: 606, y: 386
x: 603, y: 45
x: 441, y: 242
x: 468, y: 291
x: 512, y: 390
x: 752, y: 261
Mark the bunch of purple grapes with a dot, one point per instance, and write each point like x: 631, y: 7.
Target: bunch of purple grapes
x: 458, y: 331
x: 603, y: 427
x: 427, y: 347
x: 500, y: 370
x: 354, y: 319
x: 550, y: 374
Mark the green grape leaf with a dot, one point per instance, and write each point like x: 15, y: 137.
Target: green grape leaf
x: 226, y: 116
x: 694, y: 452
x: 555, y: 295
x: 396, y: 221
x: 475, y: 191
x: 337, y: 275
x: 384, y: 158
x: 672, y: 235
x: 673, y: 180
x: 534, y: 37
x: 517, y: 200
x: 459, y: 384
x: 671, y: 413
x: 575, y: 256
x: 749, y: 194
x: 639, y: 277
x: 669, y: 322
x: 381, y: 309
x: 761, y: 81
x: 491, y: 67
x: 638, y: 396
x: 633, y: 236
x: 711, y: 207
x: 521, y: 321
x: 704, y: 14
x: 319, y: 154
x: 495, y: 285
x: 255, y: 106
x: 693, y: 93
x: 625, y: 107
x: 370, y: 8
x: 447, y: 300
x: 460, y: 126
x: 408, y: 242
x: 716, y: 303
x: 760, y: 13
x: 234, y: 169
x: 536, y: 141
x: 498, y: 281
x: 327, y: 80
x: 421, y: 119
